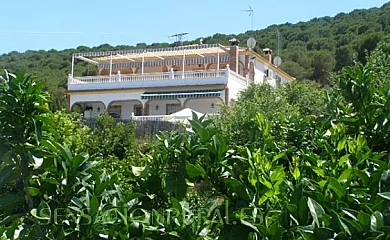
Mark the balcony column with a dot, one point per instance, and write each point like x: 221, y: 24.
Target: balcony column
x: 184, y: 59
x: 72, y: 72
x: 143, y: 61
x: 110, y: 66
x: 218, y: 62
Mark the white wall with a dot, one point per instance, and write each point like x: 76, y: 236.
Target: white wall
x: 97, y: 109
x: 149, y: 83
x: 106, y: 98
x: 260, y: 69
x: 236, y: 85
x: 259, y: 72
x: 162, y: 106
x: 203, y: 105
x: 124, y: 99
x: 127, y: 108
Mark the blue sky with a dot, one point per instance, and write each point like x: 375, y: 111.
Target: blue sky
x: 60, y: 24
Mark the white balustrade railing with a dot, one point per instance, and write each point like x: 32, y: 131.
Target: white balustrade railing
x: 148, y: 77
x: 200, y: 74
x: 140, y: 77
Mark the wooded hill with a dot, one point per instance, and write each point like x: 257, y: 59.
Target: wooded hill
x: 310, y: 50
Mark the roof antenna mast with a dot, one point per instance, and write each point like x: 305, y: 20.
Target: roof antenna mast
x: 179, y: 37
x: 250, y: 11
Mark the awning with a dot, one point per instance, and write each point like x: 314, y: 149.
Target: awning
x: 134, y: 55
x: 165, y: 62
x: 203, y: 93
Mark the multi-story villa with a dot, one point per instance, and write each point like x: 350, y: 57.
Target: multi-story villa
x: 166, y: 80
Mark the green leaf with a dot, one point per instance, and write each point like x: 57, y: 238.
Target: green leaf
x: 280, y: 155
x: 376, y: 221
x: 316, y: 211
x: 94, y: 205
x: 38, y: 130
x: 336, y: 186
x: 365, y: 220
x: 385, y: 195
x: 322, y: 233
x: 345, y: 175
x: 194, y: 170
x: 237, y: 187
x: 343, y: 226
x: 84, y: 167
x: 341, y: 143
x: 296, y: 173
x: 176, y: 204
x: 33, y: 191
x: 343, y: 159
x: 303, y: 210
x: 78, y: 160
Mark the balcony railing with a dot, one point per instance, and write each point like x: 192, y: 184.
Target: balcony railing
x: 148, y: 77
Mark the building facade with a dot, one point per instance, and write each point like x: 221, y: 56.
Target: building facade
x: 163, y: 81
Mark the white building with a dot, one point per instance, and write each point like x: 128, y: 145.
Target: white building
x: 166, y: 80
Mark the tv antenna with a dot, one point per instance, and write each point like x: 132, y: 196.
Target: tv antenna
x: 278, y: 59
x: 250, y: 11
x: 278, y: 35
x: 179, y: 37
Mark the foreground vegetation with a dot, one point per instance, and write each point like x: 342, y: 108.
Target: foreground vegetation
x: 295, y: 162
x: 310, y: 50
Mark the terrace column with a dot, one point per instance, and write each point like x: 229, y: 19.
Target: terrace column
x: 145, y: 107
x: 218, y: 62
x: 143, y: 60
x: 72, y: 72
x: 182, y: 102
x: 110, y: 66
x: 184, y: 59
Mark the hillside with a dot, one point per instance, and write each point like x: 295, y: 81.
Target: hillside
x: 310, y: 50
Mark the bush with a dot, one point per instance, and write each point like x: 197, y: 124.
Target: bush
x: 285, y: 107
x: 109, y: 138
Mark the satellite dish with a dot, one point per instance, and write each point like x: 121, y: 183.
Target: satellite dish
x: 251, y: 42
x: 278, y: 61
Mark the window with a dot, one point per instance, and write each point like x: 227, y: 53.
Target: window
x: 137, y: 110
x: 268, y: 73
x: 172, y: 108
x: 115, y: 109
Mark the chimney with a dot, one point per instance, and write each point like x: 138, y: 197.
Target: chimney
x: 234, y: 54
x: 268, y: 54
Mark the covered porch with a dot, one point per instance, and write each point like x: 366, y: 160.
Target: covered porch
x: 151, y: 103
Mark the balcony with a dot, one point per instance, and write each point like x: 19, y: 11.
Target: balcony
x: 159, y: 79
